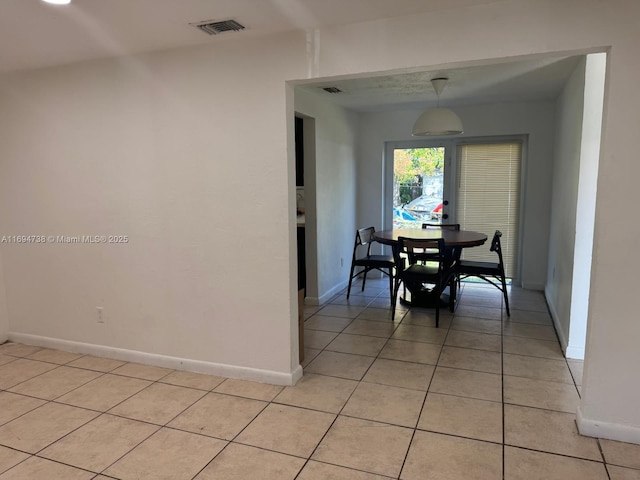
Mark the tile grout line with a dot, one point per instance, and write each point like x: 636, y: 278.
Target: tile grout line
x: 361, y: 380
x: 415, y: 429
x: 100, y: 414
x: 353, y: 392
x: 566, y: 362
x: 337, y: 415
x: 504, y: 439
x: 502, y: 367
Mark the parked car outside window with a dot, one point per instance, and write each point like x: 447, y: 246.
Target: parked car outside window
x: 425, y: 207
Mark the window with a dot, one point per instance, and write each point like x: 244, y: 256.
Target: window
x: 418, y: 182
x: 488, y: 197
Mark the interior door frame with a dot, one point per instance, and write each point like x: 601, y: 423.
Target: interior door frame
x: 448, y: 191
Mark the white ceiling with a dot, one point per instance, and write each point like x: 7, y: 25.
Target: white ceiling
x: 34, y: 35
x: 527, y: 80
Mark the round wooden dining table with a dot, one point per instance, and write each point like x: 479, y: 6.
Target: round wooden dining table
x: 454, y: 242
x: 452, y: 238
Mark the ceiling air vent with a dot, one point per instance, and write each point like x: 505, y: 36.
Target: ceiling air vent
x: 213, y: 28
x: 332, y: 89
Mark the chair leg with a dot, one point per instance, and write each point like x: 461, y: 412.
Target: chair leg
x: 350, y: 279
x: 391, y: 284
x: 364, y: 278
x: 452, y: 294
x: 394, y: 298
x: 506, y: 296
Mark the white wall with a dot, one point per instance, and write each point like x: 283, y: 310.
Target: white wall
x: 335, y: 187
x: 4, y: 316
x: 609, y: 405
x: 162, y: 148
x: 595, y: 70
x: 145, y: 150
x: 575, y: 179
x: 534, y: 119
x: 566, y: 169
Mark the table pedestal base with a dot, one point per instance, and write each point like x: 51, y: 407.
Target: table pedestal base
x: 425, y: 298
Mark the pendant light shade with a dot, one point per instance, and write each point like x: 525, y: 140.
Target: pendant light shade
x: 439, y: 120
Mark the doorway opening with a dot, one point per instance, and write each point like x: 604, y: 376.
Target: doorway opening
x: 473, y: 182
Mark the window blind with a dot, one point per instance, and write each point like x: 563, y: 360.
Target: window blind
x: 488, y: 198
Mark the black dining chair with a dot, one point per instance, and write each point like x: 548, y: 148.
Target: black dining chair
x: 455, y: 282
x: 383, y: 263
x: 435, y: 226
x: 491, y: 272
x: 416, y: 274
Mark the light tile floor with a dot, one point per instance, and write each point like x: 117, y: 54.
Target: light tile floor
x: 482, y: 397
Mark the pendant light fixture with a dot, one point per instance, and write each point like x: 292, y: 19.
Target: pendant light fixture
x: 438, y: 121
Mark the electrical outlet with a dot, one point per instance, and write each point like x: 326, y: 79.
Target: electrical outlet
x: 100, y: 312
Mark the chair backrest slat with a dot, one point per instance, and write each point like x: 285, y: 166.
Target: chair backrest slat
x: 414, y: 250
x: 365, y: 235
x: 495, y: 242
x: 497, y: 247
x: 441, y: 226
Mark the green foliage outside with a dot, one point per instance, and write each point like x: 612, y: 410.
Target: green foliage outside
x: 411, y: 166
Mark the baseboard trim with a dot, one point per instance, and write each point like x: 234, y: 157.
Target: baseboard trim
x: 570, y: 351
x: 324, y: 298
x: 554, y: 316
x: 311, y: 301
x: 611, y: 431
x: 189, y: 365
